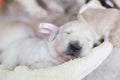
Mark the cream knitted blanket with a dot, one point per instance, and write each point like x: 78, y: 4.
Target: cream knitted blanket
x: 73, y: 70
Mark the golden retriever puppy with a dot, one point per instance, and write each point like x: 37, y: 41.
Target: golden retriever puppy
x: 20, y: 46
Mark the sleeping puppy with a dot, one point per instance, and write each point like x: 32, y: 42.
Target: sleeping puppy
x: 19, y: 45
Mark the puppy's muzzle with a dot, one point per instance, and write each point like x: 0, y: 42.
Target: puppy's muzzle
x: 74, y: 48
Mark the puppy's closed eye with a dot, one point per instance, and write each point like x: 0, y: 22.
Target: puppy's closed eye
x: 68, y: 32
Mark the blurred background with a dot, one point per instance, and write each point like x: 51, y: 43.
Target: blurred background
x: 54, y: 11
x: 33, y: 12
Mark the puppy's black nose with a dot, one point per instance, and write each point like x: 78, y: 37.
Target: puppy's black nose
x: 74, y: 46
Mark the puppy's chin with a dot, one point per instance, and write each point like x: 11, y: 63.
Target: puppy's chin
x: 72, y: 56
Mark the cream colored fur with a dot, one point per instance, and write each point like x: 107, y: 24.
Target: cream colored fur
x: 20, y: 46
x: 101, y: 20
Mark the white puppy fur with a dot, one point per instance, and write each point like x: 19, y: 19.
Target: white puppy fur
x: 20, y: 46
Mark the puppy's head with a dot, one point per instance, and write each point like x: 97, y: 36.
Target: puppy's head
x: 73, y: 40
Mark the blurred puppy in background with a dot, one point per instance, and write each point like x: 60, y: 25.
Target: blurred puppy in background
x: 42, y: 10
x: 103, y: 20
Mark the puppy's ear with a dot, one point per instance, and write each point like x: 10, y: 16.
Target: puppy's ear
x: 92, y: 4
x: 46, y: 29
